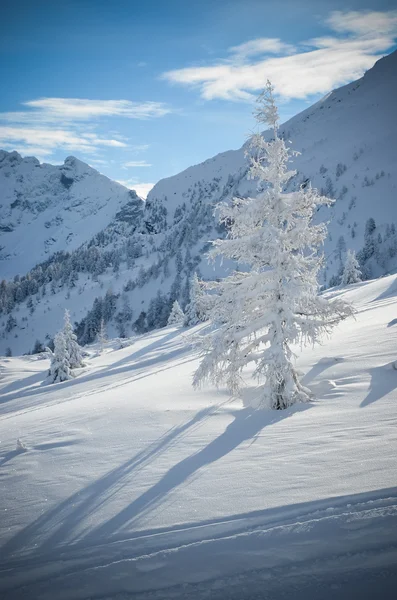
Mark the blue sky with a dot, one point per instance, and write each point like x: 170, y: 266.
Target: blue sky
x: 142, y: 90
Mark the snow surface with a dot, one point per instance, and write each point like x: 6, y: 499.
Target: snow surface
x: 135, y: 485
x: 46, y: 208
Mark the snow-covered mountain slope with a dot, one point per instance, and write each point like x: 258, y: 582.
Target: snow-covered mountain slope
x: 146, y: 254
x: 347, y: 144
x: 46, y: 208
x: 135, y: 485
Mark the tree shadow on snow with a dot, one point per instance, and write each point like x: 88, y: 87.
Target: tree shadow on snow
x: 60, y: 444
x: 246, y: 425
x: 300, y: 526
x: 383, y: 381
x: 65, y: 523
x: 17, y: 390
x: 322, y: 365
x: 389, y: 292
x: 62, y: 523
x: 155, y: 345
x: 101, y: 374
x: 20, y: 384
x: 9, y: 456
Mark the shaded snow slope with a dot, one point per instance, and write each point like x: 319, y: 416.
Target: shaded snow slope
x: 46, y: 208
x: 134, y: 485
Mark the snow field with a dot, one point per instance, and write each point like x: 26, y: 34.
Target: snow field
x: 135, y: 485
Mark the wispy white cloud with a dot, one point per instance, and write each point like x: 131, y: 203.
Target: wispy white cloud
x: 27, y: 149
x: 363, y: 22
x: 47, y: 140
x: 261, y: 46
x: 76, y: 109
x: 136, y: 163
x: 48, y: 124
x: 142, y: 189
x: 317, y: 66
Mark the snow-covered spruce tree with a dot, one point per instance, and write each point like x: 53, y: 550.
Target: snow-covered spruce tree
x: 351, y: 271
x: 60, y: 366
x: 257, y: 315
x: 177, y: 316
x: 193, y: 310
x: 73, y: 350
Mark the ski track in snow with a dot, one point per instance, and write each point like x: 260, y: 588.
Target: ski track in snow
x: 328, y: 541
x: 135, y: 486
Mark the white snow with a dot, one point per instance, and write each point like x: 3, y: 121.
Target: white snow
x: 135, y: 485
x: 47, y: 208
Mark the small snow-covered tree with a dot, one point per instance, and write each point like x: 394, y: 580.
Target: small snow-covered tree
x: 60, y: 366
x: 193, y: 310
x: 351, y: 271
x: 73, y: 350
x: 258, y: 314
x: 102, y: 335
x: 177, y: 315
x: 21, y: 447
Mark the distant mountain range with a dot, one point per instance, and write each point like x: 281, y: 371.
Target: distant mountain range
x: 84, y: 237
x: 46, y: 208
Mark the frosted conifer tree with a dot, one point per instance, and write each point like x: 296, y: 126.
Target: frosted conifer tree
x: 177, y: 316
x: 193, y: 308
x: 21, y: 447
x: 258, y: 314
x: 60, y: 366
x: 73, y: 349
x: 351, y: 271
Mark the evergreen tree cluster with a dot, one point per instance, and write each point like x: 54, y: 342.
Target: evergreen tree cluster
x: 373, y: 258
x: 165, y: 309
x: 122, y: 243
x: 103, y: 309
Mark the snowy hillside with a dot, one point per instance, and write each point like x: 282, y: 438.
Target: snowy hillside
x: 139, y: 258
x: 348, y: 149
x: 46, y: 208
x: 134, y: 485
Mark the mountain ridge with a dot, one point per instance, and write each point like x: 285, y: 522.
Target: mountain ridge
x: 44, y: 208
x: 146, y: 253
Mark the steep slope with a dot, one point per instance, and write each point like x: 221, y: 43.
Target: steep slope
x: 46, y: 208
x: 147, y: 253
x: 347, y: 145
x: 167, y: 492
